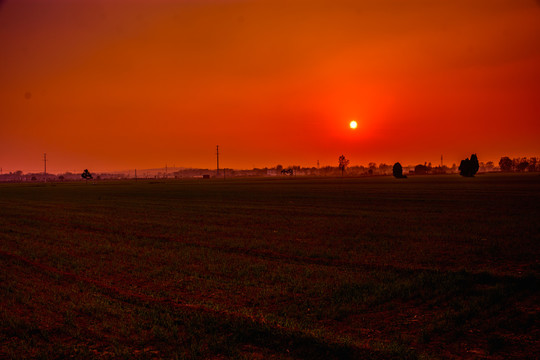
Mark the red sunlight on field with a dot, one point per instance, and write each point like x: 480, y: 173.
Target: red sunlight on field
x: 113, y: 85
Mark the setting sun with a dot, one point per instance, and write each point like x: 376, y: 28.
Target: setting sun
x: 353, y: 124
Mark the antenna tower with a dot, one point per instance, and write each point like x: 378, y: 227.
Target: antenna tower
x: 217, y: 160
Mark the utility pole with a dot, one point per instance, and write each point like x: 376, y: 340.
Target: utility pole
x: 441, y: 161
x: 217, y: 158
x: 45, y: 166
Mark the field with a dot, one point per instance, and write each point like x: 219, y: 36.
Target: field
x: 281, y: 268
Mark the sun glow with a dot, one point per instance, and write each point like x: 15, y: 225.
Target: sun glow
x: 353, y: 124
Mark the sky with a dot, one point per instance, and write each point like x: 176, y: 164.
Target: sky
x: 116, y: 84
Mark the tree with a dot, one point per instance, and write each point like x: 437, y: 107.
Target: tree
x: 469, y: 167
x: 397, y: 170
x: 86, y: 175
x: 474, y: 164
x: 343, y: 162
x: 532, y: 164
x: 384, y: 168
x: 287, y: 172
x: 421, y: 169
x: 506, y: 164
x: 522, y: 166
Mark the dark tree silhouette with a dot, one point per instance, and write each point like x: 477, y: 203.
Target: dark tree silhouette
x: 506, y: 164
x: 86, y: 175
x: 397, y: 170
x: 532, y: 164
x: 421, y: 169
x: 287, y: 172
x: 343, y: 163
x: 469, y: 167
x: 522, y: 166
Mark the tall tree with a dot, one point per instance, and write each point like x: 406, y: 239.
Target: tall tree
x: 343, y: 162
x: 397, y: 170
x: 86, y: 175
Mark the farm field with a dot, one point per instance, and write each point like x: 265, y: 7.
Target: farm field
x: 429, y: 267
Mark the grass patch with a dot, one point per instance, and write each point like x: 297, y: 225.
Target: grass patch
x: 271, y: 268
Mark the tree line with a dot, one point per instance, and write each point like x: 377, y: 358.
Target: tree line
x: 522, y: 164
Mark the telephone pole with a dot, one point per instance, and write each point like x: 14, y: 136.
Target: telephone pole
x: 45, y: 166
x: 217, y: 159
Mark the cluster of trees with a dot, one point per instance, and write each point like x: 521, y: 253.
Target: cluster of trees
x: 469, y: 167
x: 519, y: 164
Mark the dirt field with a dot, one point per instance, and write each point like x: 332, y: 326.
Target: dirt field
x: 280, y: 268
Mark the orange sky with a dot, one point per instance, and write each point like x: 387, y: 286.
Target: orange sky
x: 118, y: 84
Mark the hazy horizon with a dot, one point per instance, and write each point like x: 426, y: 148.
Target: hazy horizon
x: 175, y: 167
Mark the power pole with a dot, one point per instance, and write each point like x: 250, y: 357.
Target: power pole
x: 217, y: 158
x: 45, y: 166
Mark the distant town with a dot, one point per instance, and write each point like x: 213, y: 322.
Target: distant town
x: 505, y: 164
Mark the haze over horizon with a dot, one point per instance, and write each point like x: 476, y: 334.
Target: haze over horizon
x: 113, y: 85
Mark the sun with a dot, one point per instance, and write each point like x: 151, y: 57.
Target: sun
x: 353, y: 124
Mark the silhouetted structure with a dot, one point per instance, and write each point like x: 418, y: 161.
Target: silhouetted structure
x: 86, y: 175
x: 469, y: 167
x: 397, y: 170
x: 343, y: 162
